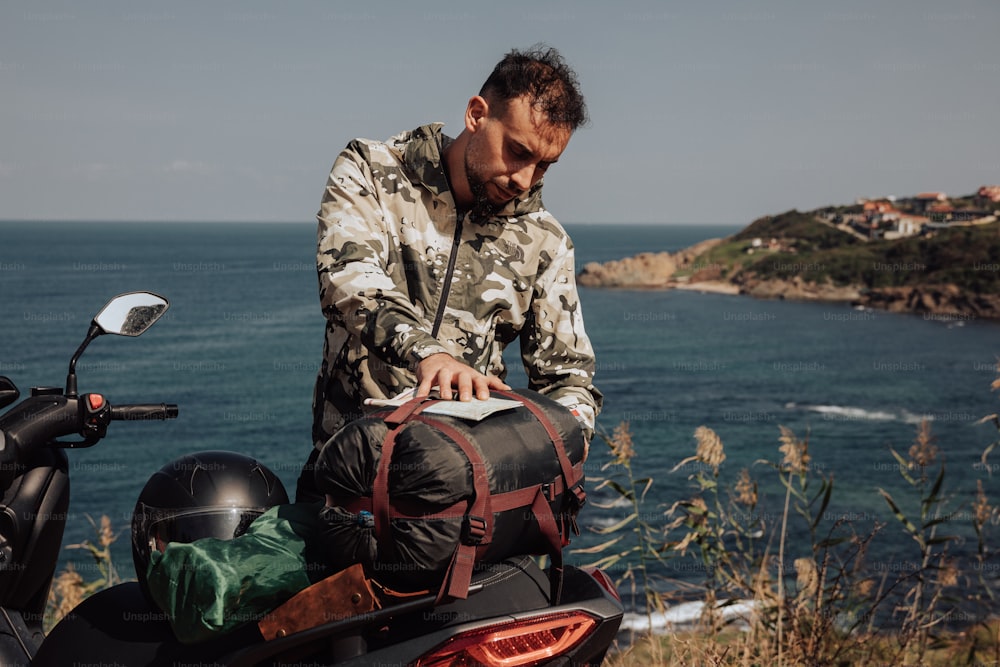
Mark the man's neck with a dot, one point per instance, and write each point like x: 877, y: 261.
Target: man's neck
x: 453, y: 161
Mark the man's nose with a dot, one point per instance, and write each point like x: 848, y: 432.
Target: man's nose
x: 522, y: 176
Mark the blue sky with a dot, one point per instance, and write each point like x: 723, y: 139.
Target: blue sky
x: 702, y: 112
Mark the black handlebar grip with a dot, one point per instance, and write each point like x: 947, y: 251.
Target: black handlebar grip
x: 144, y: 411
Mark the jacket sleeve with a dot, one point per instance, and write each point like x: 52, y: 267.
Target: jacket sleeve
x: 356, y: 285
x: 555, y: 349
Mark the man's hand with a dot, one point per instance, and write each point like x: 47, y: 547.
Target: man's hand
x: 446, y: 372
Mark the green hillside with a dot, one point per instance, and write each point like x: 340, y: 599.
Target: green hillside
x: 799, y: 244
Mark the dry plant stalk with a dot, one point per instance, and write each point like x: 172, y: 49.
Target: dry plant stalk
x: 69, y: 588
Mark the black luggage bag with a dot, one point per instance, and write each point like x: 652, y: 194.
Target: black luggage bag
x: 418, y: 499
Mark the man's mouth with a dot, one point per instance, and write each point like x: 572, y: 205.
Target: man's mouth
x: 504, y: 194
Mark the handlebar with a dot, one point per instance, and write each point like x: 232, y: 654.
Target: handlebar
x: 144, y: 411
x: 47, y: 416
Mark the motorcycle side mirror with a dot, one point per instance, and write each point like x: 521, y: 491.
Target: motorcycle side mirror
x: 127, y: 314
x: 131, y: 314
x: 8, y: 392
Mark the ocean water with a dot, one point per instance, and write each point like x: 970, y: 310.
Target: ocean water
x: 240, y: 345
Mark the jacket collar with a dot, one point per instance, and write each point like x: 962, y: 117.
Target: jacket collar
x: 422, y: 157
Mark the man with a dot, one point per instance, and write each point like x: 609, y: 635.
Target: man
x: 435, y: 253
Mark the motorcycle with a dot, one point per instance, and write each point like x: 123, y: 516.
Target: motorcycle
x: 507, y: 619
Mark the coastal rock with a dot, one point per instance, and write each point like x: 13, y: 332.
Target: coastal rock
x: 942, y: 301
x: 797, y: 289
x: 647, y: 269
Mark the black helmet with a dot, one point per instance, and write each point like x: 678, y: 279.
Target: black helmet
x: 207, y: 494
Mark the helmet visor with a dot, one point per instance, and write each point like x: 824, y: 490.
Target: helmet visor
x: 163, y: 526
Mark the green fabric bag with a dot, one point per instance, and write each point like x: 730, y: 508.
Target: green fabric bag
x: 210, y: 586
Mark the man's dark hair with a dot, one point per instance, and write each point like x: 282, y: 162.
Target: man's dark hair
x: 549, y: 83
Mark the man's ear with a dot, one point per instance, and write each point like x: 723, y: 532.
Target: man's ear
x: 476, y: 112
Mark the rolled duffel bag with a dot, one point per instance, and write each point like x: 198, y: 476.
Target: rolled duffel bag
x: 419, y: 498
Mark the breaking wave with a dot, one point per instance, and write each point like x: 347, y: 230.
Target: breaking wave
x: 687, y: 614
x: 850, y: 413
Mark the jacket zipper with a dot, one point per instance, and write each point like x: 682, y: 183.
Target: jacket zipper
x: 448, y: 275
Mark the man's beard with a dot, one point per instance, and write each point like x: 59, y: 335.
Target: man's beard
x: 481, y: 207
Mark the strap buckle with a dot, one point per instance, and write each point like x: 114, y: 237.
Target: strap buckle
x: 577, y: 495
x: 473, y: 530
x: 548, y: 491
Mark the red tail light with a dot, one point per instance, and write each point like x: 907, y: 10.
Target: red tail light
x: 513, y: 644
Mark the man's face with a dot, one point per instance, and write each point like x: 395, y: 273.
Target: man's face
x: 510, y: 152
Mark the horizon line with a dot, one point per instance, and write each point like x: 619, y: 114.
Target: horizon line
x: 83, y: 221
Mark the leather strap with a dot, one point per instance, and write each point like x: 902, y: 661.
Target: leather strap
x: 346, y: 593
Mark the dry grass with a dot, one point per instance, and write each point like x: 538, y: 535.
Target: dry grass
x: 829, y: 607
x: 69, y: 588
x: 979, y: 647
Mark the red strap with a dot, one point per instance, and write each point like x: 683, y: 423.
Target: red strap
x: 550, y: 529
x: 509, y: 500
x: 397, y: 508
x: 352, y: 505
x: 570, y: 474
x: 380, y: 487
x: 459, y: 575
x: 480, y: 505
x: 499, y: 502
x: 407, y: 410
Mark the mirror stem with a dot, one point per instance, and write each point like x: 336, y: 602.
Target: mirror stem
x: 93, y: 333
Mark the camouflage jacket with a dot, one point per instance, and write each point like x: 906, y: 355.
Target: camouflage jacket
x: 402, y: 276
